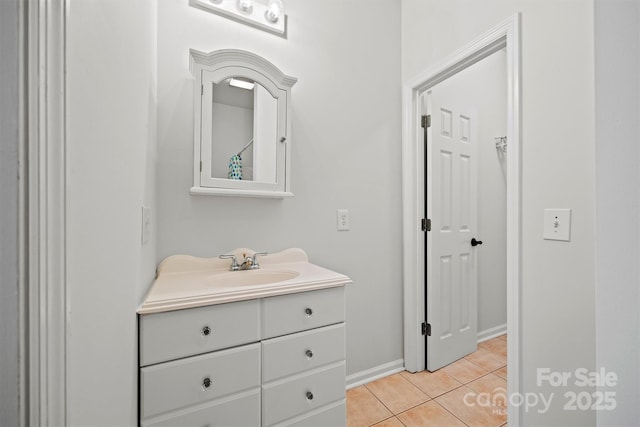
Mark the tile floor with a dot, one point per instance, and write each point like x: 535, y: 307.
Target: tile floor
x: 469, y: 392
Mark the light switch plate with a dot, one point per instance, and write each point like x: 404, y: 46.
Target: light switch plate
x: 557, y: 224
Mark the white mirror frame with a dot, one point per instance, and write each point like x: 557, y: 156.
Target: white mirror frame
x: 238, y: 63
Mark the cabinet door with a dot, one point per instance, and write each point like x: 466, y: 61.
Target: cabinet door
x: 186, y: 382
x: 241, y: 411
x: 174, y: 334
x: 286, y: 314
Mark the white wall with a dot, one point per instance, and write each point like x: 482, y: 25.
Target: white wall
x: 558, y: 279
x: 618, y: 203
x: 484, y: 87
x: 111, y: 125
x: 346, y: 148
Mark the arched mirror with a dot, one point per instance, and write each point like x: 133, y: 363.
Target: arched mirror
x: 241, y: 125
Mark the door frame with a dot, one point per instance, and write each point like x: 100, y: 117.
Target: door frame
x: 505, y: 35
x: 45, y: 210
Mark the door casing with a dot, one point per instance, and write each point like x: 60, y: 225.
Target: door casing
x: 506, y: 36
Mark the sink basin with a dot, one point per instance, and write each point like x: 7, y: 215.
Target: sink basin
x: 250, y: 277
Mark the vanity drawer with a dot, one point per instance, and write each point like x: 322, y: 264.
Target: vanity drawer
x: 282, y: 400
x: 175, y: 334
x: 286, y: 314
x: 299, y: 352
x: 334, y: 415
x: 239, y: 411
x: 172, y: 385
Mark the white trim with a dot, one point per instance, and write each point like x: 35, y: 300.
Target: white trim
x: 208, y: 191
x: 375, y: 373
x: 46, y: 156
x: 490, y: 333
x: 505, y: 35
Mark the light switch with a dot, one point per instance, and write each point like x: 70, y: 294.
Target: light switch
x: 557, y: 224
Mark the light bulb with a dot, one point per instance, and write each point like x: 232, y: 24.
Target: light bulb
x: 275, y: 10
x: 245, y: 5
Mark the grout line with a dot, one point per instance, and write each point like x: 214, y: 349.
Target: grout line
x: 410, y: 383
x: 451, y: 412
x: 382, y: 403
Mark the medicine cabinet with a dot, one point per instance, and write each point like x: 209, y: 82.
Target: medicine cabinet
x: 242, y: 129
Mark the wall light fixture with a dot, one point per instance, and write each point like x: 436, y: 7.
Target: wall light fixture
x: 267, y: 15
x: 242, y: 84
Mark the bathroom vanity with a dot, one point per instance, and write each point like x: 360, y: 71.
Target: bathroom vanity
x: 243, y: 348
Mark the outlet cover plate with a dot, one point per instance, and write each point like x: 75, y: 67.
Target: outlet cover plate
x: 344, y: 223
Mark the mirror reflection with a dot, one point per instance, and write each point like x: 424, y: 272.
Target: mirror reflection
x: 243, y: 131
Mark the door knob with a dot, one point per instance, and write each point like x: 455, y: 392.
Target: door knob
x: 475, y: 242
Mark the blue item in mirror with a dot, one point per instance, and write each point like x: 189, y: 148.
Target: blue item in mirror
x: 235, y: 167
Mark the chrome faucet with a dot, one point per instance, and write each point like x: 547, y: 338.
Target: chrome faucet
x: 234, y: 263
x: 249, y: 263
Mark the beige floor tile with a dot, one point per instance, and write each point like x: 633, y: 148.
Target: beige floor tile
x: 397, y: 393
x: 492, y: 385
x: 495, y: 345
x: 429, y: 414
x: 464, y: 371
x: 432, y: 383
x: 472, y: 409
x: 486, y: 359
x: 502, y: 372
x: 363, y: 409
x: 390, y: 422
x: 502, y: 337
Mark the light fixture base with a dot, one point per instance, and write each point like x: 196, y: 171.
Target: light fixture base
x: 257, y: 17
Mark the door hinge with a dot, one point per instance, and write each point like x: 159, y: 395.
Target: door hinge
x: 200, y: 165
x: 426, y: 329
x: 426, y: 121
x: 426, y: 224
x: 201, y: 90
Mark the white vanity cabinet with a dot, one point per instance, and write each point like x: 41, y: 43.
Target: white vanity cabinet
x: 278, y: 360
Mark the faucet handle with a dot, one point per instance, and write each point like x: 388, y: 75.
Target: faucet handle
x: 234, y: 262
x: 255, y: 259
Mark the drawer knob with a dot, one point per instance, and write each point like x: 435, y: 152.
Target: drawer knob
x: 309, y: 354
x: 206, y: 383
x: 206, y: 331
x: 309, y: 395
x: 308, y: 311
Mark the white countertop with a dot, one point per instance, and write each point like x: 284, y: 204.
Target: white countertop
x: 184, y: 281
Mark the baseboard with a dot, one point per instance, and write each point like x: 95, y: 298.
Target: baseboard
x: 390, y: 368
x: 375, y: 373
x: 496, y: 331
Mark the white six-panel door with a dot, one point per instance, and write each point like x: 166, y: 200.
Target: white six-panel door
x: 452, y: 206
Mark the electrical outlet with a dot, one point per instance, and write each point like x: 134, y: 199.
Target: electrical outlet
x: 557, y: 224
x: 343, y: 220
